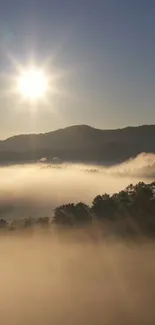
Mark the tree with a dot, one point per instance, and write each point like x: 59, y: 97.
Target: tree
x: 43, y: 221
x: 65, y: 214
x: 142, y: 207
x: 72, y: 214
x: 122, y: 201
x: 3, y: 223
x: 103, y: 206
x: 82, y: 213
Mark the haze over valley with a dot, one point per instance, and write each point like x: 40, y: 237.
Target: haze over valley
x: 77, y: 162
x: 38, y: 188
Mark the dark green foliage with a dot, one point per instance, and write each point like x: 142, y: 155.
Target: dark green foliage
x: 82, y: 213
x: 103, y: 206
x: 133, y: 207
x: 130, y: 211
x: 64, y: 214
x: 71, y: 214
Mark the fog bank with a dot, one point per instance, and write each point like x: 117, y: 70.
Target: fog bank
x: 48, y: 279
x: 36, y: 189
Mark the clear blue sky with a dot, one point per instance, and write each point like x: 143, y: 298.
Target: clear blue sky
x: 106, y: 50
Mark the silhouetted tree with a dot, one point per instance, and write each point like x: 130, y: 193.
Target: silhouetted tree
x: 82, y: 213
x: 72, y: 214
x: 43, y: 221
x: 65, y: 214
x: 132, y: 210
x: 3, y: 223
x: 103, y: 206
x: 134, y: 207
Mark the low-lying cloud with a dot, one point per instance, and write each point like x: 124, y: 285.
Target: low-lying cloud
x: 29, y: 190
x: 48, y: 279
x: 141, y: 166
x: 58, y: 277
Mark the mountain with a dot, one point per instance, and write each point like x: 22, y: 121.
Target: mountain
x: 80, y: 143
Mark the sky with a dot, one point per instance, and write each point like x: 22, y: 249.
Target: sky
x: 102, y: 51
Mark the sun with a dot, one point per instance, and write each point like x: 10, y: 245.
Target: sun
x: 32, y: 84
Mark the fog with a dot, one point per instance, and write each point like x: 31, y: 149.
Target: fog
x: 36, y: 189
x: 50, y: 276
x: 55, y: 279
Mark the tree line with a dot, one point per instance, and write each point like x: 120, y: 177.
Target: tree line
x: 131, y: 210
x: 133, y: 207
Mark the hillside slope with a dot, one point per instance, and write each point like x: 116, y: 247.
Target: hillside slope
x: 80, y: 143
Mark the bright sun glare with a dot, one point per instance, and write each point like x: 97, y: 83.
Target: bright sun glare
x: 32, y: 84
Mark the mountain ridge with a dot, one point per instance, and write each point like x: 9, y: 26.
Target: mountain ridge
x: 79, y: 126
x: 80, y: 143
